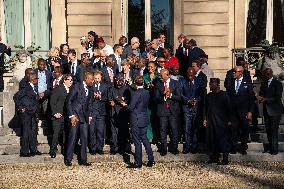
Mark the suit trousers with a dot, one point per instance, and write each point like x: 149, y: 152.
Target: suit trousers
x: 190, y: 130
x: 139, y: 135
x: 172, y: 122
x: 29, y: 133
x: 82, y: 129
x: 58, y: 136
x: 239, y: 130
x: 97, y: 129
x: 272, y: 125
x: 1, y: 79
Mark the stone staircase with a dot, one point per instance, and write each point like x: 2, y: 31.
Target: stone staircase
x: 10, y: 145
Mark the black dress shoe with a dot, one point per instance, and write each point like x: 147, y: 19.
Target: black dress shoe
x: 101, y: 152
x: 25, y: 155
x: 243, y: 152
x: 36, y: 153
x: 273, y: 153
x: 210, y: 161
x: 163, y: 153
x: 134, y: 166
x: 52, y: 154
x: 85, y: 163
x: 67, y: 163
x: 151, y: 163
x: 175, y: 152
x: 223, y: 162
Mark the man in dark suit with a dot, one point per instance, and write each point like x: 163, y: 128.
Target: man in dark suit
x: 157, y: 49
x: 199, y: 75
x: 230, y: 73
x: 58, y: 112
x: 78, y: 111
x: 73, y: 63
x: 58, y: 77
x: 128, y: 73
x: 182, y: 55
x: 98, y: 113
x: 270, y: 95
x: 139, y: 121
x: 116, y: 56
x: 25, y: 81
x: 194, y: 52
x: 85, y: 66
x: 242, y: 102
x: 192, y: 95
x: 109, y: 71
x: 126, y: 48
x: 27, y: 106
x: 4, y: 49
x: 101, y: 63
x: 168, y: 97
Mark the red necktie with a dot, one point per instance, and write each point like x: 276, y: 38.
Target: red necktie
x: 166, y: 88
x: 55, y: 83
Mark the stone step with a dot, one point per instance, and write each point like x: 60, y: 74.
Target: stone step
x: 262, y: 127
x: 250, y: 157
x: 262, y: 137
x: 44, y: 148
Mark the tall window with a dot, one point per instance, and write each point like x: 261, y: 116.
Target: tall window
x: 160, y: 14
x: 265, y: 21
x: 26, y: 22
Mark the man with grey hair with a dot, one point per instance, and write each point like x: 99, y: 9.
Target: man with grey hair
x: 242, y: 104
x: 135, y: 46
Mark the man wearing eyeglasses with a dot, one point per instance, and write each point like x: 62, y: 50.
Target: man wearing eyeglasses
x: 242, y: 104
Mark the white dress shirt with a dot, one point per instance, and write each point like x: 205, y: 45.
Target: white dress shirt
x: 236, y: 83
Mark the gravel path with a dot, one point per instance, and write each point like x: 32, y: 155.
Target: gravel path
x: 163, y: 175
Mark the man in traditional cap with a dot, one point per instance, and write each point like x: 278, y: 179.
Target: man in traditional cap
x: 216, y: 119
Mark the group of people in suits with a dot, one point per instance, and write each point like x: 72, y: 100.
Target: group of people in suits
x: 126, y: 98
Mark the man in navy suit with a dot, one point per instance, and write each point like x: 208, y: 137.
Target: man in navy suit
x: 78, y: 111
x: 270, y: 95
x: 192, y: 94
x: 242, y: 104
x: 25, y: 81
x: 168, y: 97
x: 109, y: 71
x: 98, y: 113
x: 27, y: 106
x: 194, y: 52
x: 139, y: 121
x: 182, y: 55
x: 72, y: 64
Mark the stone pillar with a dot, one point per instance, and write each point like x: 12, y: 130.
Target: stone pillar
x: 117, y: 19
x: 58, y: 23
x: 178, y: 20
x: 2, y: 22
x: 27, y: 23
x: 148, y: 19
x: 269, y: 23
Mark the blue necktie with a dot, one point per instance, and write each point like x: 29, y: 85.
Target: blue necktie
x: 238, y: 86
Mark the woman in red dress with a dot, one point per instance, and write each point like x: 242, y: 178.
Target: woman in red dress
x: 170, y: 58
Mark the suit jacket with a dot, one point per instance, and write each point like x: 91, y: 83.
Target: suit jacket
x: 194, y: 54
x: 127, y: 50
x: 174, y: 101
x: 123, y: 93
x: 183, y: 61
x: 115, y: 62
x: 49, y: 65
x: 138, y: 108
x: 230, y: 76
x: 24, y: 83
x: 48, y: 80
x: 243, y: 101
x: 28, y: 99
x: 4, y: 50
x: 78, y: 102
x: 81, y: 71
x: 70, y: 65
x: 58, y: 101
x: 188, y: 93
x: 98, y: 106
x: 273, y: 105
x: 106, y: 79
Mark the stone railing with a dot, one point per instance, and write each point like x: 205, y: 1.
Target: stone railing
x: 253, y: 55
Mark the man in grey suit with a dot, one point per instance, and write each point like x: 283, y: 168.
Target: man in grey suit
x: 270, y: 95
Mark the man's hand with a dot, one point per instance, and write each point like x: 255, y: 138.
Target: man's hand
x: 41, y: 95
x: 90, y: 119
x: 205, y: 123
x: 249, y: 116
x: 111, y: 102
x: 123, y: 104
x: 261, y: 99
x: 151, y: 85
x: 98, y: 95
x: 74, y: 120
x: 23, y: 110
x: 58, y: 115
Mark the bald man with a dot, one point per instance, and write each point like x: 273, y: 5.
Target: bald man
x: 168, y: 97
